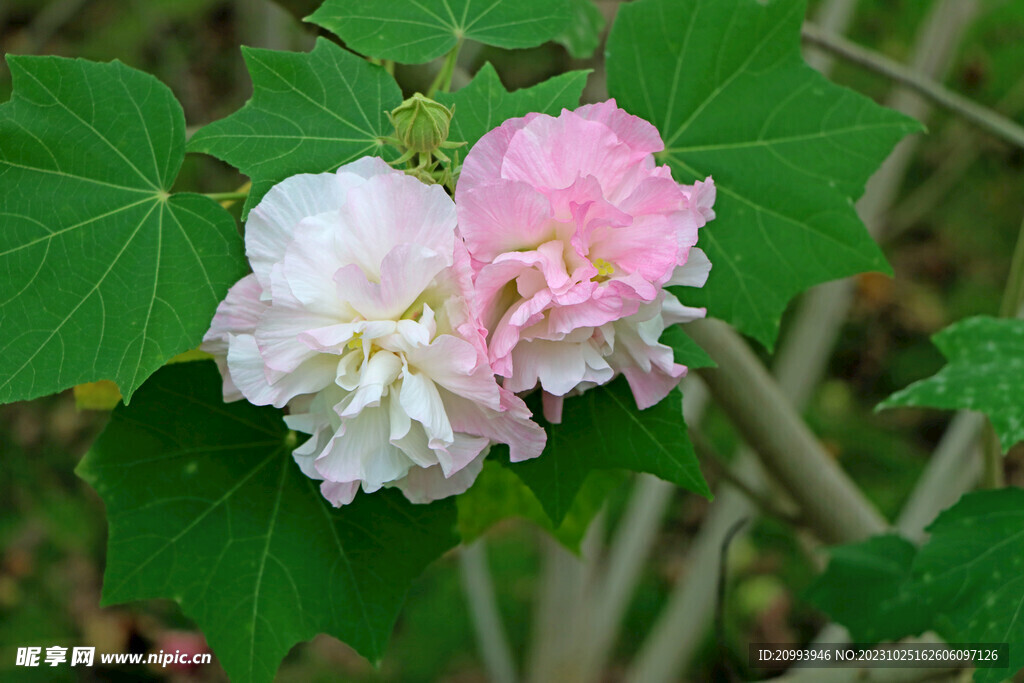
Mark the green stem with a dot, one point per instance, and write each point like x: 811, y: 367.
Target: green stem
x: 226, y: 196
x: 443, y: 81
x: 993, y: 476
x: 1013, y: 295
x: 981, y: 116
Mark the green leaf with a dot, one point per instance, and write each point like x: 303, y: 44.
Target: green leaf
x: 583, y: 34
x: 207, y: 507
x: 484, y: 103
x: 415, y: 31
x: 685, y: 351
x: 603, y: 429
x: 971, y: 574
x: 106, y: 274
x: 874, y: 571
x: 724, y: 82
x: 985, y: 373
x: 310, y: 112
x: 499, y: 494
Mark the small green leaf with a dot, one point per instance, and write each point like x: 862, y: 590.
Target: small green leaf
x: 971, y: 574
x: 310, y: 112
x: 985, y: 373
x: 603, y: 429
x: 484, y: 103
x: 207, y: 507
x: 415, y: 31
x: 583, y: 34
x: 106, y: 274
x: 862, y: 589
x: 499, y: 494
x: 685, y: 351
x: 724, y: 82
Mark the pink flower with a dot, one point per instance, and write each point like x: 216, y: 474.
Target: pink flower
x: 358, y: 318
x: 573, y: 233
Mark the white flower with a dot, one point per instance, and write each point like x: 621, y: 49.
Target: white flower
x: 358, y: 317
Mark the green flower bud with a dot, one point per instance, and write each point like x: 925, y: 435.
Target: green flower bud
x: 421, y: 124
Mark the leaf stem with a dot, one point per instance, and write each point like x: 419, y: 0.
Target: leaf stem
x: 226, y: 196
x: 1012, y: 306
x: 443, y: 81
x: 1013, y: 295
x: 983, y: 117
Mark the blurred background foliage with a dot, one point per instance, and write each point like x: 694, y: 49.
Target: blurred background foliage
x: 952, y: 228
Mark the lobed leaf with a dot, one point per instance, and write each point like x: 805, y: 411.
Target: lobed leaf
x: 603, y: 429
x: 966, y: 582
x: 107, y: 275
x: 724, y: 82
x: 310, y: 112
x: 970, y: 574
x: 863, y: 589
x: 207, y: 507
x: 985, y: 373
x: 415, y: 31
x: 498, y: 494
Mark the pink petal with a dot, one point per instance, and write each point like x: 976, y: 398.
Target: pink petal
x: 640, y: 135
x: 501, y: 217
x: 483, y: 164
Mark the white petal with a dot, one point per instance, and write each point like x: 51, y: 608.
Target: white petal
x: 558, y: 365
x: 406, y: 271
x: 422, y: 402
x: 271, y: 224
x: 511, y: 425
x: 427, y: 484
x: 389, y: 210
x: 375, y: 377
x: 673, y: 312
x: 237, y: 314
x: 693, y: 273
x: 361, y: 450
x: 339, y: 493
x: 248, y: 371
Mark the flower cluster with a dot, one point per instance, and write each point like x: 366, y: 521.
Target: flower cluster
x: 382, y: 314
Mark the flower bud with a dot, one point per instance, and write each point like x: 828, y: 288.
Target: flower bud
x: 421, y: 124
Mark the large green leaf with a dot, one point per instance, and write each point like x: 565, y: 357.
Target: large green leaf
x: 106, y: 274
x: 414, y: 31
x: 603, y: 429
x: 966, y: 582
x: 970, y: 574
x: 485, y: 104
x: 310, y: 112
x: 874, y: 571
x: 207, y: 507
x: 498, y: 494
x: 985, y: 373
x: 724, y: 82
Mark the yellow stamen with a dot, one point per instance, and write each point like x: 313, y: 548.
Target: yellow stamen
x: 356, y: 342
x: 604, y: 269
